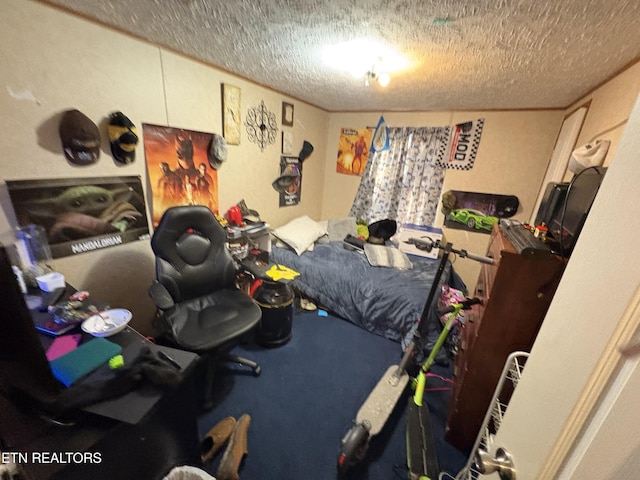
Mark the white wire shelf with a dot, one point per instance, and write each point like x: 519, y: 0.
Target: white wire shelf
x: 507, y: 383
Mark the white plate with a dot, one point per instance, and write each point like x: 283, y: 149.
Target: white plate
x: 107, y: 323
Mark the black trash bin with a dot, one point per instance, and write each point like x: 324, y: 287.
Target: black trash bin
x: 276, y: 301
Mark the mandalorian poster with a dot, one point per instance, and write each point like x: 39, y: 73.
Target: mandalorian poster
x: 82, y: 214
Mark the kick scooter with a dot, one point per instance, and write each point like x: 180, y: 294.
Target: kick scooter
x: 421, y: 455
x: 380, y: 403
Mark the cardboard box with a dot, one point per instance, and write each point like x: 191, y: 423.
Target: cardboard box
x: 422, y: 233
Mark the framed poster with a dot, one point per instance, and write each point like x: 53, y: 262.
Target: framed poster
x: 82, y: 214
x: 231, y: 114
x: 178, y: 168
x: 287, y: 114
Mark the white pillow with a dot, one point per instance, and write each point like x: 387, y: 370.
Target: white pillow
x: 300, y: 233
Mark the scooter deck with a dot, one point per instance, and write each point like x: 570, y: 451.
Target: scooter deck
x: 381, y: 401
x: 422, y: 459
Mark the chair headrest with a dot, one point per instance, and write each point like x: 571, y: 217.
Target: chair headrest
x: 169, y: 236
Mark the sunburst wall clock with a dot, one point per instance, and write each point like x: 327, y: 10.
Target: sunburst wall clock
x: 262, y: 126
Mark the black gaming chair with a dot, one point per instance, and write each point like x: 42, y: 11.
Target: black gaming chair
x: 195, y: 291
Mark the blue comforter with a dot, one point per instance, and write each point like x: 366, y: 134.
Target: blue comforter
x: 385, y: 301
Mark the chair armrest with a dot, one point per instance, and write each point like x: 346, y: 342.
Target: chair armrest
x: 161, y: 296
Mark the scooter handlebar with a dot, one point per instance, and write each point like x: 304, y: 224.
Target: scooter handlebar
x: 464, y: 305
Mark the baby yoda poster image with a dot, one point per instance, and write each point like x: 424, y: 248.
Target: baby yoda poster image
x: 82, y: 214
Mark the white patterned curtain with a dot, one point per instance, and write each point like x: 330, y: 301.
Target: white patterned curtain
x: 404, y: 182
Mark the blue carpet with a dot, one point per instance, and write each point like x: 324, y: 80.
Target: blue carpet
x: 306, y: 398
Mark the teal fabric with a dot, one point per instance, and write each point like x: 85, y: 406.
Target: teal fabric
x: 86, y: 358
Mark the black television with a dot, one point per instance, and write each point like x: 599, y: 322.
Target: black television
x: 571, y: 208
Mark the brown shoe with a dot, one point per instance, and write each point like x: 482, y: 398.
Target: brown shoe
x: 216, y: 438
x: 236, y: 450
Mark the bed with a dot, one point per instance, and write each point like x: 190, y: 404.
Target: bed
x: 385, y: 301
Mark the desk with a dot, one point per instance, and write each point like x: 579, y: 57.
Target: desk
x: 132, y: 407
x: 140, y: 435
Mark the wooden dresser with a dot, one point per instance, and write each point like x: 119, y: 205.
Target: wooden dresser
x: 516, y: 293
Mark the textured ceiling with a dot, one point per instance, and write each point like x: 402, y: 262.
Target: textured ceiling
x: 464, y: 54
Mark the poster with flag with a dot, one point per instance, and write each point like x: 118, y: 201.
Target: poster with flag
x: 462, y: 141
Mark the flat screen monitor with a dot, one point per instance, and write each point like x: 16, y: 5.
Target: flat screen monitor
x: 567, y: 222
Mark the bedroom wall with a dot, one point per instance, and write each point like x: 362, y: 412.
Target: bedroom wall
x: 53, y: 61
x: 512, y: 158
x: 609, y: 109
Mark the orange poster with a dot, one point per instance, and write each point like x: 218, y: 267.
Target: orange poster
x: 353, y: 150
x: 178, y: 168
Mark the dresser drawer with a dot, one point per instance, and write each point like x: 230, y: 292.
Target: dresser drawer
x: 497, y: 244
x: 471, y: 325
x: 484, y: 285
x: 468, y: 334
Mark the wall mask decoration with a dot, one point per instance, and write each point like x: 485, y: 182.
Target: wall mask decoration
x: 262, y: 126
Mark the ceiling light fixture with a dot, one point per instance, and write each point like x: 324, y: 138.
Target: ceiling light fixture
x: 368, y: 59
x: 383, y: 78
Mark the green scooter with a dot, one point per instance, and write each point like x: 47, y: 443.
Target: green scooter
x: 377, y: 408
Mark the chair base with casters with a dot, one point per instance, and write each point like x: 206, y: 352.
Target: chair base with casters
x: 212, y: 362
x: 229, y: 357
x: 200, y: 306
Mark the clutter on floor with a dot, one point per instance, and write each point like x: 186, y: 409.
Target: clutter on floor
x: 233, y: 434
